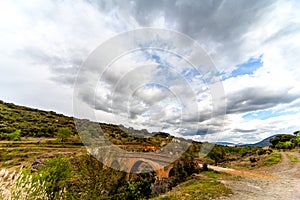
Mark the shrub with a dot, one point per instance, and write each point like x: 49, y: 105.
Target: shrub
x: 260, y: 152
x: 284, y: 145
x: 93, y: 181
x: 63, y: 134
x: 14, y: 136
x: 217, y: 154
x: 55, y: 173
x: 278, y: 141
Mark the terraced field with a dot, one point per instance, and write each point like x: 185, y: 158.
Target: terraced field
x: 14, y: 154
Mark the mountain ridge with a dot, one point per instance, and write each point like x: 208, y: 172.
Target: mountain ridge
x: 262, y: 143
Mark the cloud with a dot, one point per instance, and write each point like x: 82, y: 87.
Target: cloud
x: 253, y: 44
x: 217, y: 25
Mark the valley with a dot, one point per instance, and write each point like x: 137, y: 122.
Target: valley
x: 57, y: 162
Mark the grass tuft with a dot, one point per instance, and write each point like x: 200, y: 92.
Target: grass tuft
x: 274, y: 158
x: 293, y: 158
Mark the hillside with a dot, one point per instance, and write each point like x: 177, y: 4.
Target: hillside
x: 31, y: 122
x: 39, y: 149
x: 262, y: 143
x: 225, y: 143
x: 41, y: 153
x: 38, y: 123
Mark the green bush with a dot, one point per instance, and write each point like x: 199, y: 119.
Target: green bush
x: 55, y: 173
x: 93, y: 181
x: 217, y: 154
x: 293, y: 158
x: 48, y: 183
x: 298, y: 139
x: 284, y: 145
x: 260, y: 152
x: 63, y: 134
x: 14, y: 136
x: 279, y: 141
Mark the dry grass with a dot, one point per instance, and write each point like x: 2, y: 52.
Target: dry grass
x: 22, y: 153
x: 15, y: 185
x: 206, y: 186
x: 19, y: 185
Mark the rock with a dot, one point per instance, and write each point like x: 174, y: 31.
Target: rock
x: 204, y: 167
x: 36, y: 165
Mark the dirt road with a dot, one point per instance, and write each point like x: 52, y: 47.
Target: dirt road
x: 280, y: 181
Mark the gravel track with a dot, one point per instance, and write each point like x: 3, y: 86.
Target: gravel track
x: 276, y: 182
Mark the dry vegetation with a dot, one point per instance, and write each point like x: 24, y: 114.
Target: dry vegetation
x: 56, y: 166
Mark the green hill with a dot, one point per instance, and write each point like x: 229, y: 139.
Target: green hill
x: 38, y: 123
x: 31, y: 122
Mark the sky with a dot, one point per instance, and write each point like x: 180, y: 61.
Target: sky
x: 249, y: 49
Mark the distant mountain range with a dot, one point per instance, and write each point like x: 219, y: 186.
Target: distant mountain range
x: 264, y: 142
x: 225, y: 143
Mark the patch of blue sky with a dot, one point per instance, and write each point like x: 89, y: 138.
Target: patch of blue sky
x: 176, y: 110
x: 248, y: 67
x: 152, y: 55
x: 155, y: 56
x: 154, y: 86
x: 167, y: 73
x: 190, y: 73
x: 222, y: 76
x: 166, y: 76
x: 266, y: 114
x: 156, y: 43
x: 146, y: 114
x: 160, y: 56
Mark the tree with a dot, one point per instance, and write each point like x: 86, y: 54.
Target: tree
x: 280, y: 138
x: 63, y: 134
x: 217, y: 154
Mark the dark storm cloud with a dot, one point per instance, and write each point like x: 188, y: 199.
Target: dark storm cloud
x: 207, y: 18
x: 219, y: 20
x: 212, y: 23
x: 257, y: 98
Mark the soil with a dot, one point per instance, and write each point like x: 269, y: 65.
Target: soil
x: 279, y: 181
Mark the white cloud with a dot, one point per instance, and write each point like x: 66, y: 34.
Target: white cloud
x: 43, y: 44
x: 47, y: 40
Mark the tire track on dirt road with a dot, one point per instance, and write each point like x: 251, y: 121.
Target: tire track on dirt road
x: 276, y: 182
